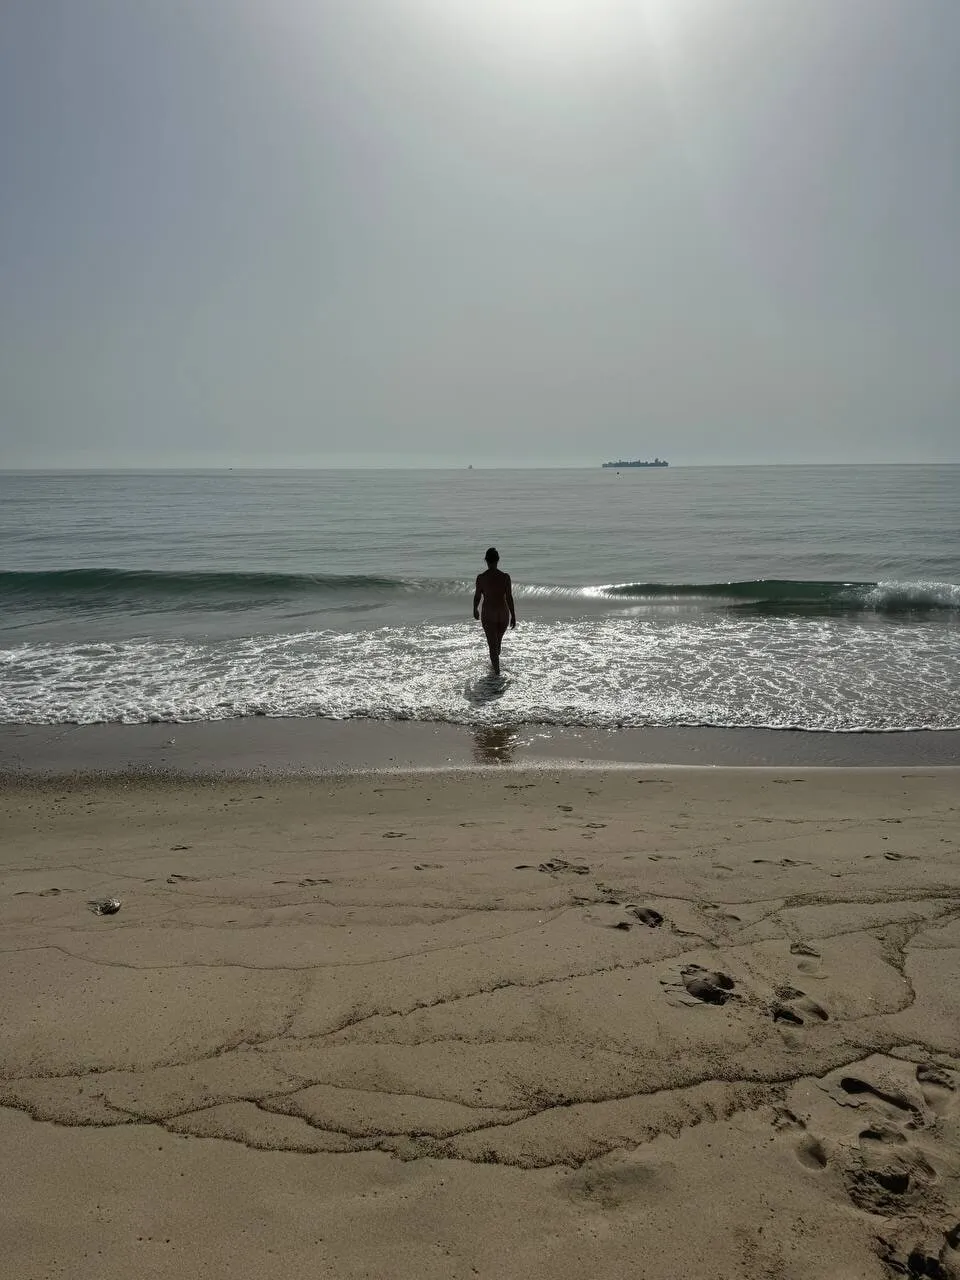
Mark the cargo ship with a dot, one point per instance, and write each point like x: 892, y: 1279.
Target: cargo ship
x: 657, y: 462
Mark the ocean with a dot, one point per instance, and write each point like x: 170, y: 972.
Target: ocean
x: 819, y: 598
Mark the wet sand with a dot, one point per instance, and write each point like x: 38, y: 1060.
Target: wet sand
x: 268, y: 747
x: 637, y: 1022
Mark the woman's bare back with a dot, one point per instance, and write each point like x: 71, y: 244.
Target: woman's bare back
x: 494, y: 586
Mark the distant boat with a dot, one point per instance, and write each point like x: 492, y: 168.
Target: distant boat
x: 657, y: 462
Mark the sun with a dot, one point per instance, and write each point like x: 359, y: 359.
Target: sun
x: 553, y: 34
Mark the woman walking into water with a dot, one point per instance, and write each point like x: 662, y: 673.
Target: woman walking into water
x: 497, y: 612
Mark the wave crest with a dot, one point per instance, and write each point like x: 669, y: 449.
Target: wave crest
x: 106, y: 587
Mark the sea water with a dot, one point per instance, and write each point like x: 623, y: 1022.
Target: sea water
x: 790, y: 597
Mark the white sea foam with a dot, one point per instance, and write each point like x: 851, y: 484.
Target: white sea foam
x: 786, y: 673
x: 911, y: 595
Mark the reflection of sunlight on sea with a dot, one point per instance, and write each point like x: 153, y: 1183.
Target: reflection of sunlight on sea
x: 811, y: 673
x: 494, y: 743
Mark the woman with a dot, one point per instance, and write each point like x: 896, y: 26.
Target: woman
x: 493, y: 588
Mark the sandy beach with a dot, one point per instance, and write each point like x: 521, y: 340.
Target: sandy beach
x: 637, y: 1022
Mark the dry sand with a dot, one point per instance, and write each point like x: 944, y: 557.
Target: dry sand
x: 428, y: 1025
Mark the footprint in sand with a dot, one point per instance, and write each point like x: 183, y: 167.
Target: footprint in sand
x: 567, y: 808
x: 718, y: 913
x: 783, y: 1013
x: 936, y: 1085
x: 781, y: 862
x: 104, y: 906
x: 892, y: 856
x: 809, y: 1149
x: 810, y: 957
x: 557, y: 865
x: 803, y: 949
x: 612, y: 1181
x: 811, y: 1152
x: 784, y: 1119
x: 888, y: 1178
x: 884, y: 1173
x: 879, y: 1137
x: 796, y: 1008
x: 709, y: 985
x: 936, y: 1256
x: 887, y: 1099
x: 647, y: 915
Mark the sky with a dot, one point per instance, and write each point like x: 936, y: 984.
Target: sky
x: 499, y: 232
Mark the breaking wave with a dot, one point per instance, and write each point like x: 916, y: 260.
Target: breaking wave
x: 117, y: 589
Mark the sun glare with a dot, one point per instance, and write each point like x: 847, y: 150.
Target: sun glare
x: 554, y: 34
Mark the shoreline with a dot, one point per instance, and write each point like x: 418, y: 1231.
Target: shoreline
x: 268, y: 747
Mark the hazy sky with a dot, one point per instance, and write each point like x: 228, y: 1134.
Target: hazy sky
x: 285, y: 232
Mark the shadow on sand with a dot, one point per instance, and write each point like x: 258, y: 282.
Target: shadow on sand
x: 485, y: 690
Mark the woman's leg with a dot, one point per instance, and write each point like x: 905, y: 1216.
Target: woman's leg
x: 495, y: 628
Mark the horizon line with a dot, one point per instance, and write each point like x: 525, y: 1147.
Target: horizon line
x: 452, y: 467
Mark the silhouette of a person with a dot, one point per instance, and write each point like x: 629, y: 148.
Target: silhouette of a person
x: 494, y: 590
